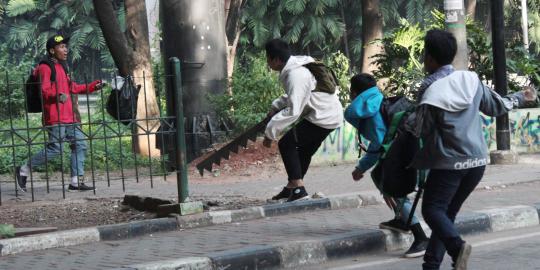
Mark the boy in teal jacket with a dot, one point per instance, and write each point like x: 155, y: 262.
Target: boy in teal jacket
x: 364, y: 114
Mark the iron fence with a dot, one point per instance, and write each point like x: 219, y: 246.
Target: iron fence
x: 141, y: 149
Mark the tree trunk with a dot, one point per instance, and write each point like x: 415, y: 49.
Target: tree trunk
x: 471, y: 9
x: 346, y: 37
x: 233, y: 9
x: 131, y: 54
x: 372, y: 29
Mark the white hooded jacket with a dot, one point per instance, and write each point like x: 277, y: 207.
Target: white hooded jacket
x: 319, y: 108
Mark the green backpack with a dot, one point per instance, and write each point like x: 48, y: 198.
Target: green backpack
x: 326, y: 79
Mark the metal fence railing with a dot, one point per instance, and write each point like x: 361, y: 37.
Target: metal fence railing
x: 137, y: 144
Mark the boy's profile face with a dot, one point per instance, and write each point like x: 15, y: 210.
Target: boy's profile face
x: 60, y: 52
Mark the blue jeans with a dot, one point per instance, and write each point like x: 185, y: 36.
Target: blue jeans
x: 59, y: 134
x: 445, y: 192
x: 403, y: 210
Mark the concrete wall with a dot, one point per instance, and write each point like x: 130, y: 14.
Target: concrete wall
x: 342, y: 144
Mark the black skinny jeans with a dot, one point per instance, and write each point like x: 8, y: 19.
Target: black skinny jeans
x: 298, y: 145
x: 445, y: 192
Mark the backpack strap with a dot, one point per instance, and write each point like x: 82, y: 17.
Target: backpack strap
x: 391, y: 132
x: 50, y: 64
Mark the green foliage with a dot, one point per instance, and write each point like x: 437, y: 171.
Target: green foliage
x: 307, y: 24
x: 30, y: 23
x: 254, y: 87
x: 339, y: 63
x: 400, y: 65
x: 401, y: 69
x: 7, y: 230
x: 19, y: 7
x: 12, y: 77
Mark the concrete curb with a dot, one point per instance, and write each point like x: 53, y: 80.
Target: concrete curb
x: 140, y: 228
x: 302, y: 253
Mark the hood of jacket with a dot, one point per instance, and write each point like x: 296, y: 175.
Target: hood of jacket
x: 452, y: 93
x: 367, y: 104
x: 294, y: 62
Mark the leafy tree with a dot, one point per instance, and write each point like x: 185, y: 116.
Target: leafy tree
x: 309, y: 25
x: 75, y: 19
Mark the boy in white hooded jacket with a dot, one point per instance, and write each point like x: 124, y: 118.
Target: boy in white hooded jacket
x: 306, y: 117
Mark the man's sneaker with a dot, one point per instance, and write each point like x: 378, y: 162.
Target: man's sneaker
x: 284, y: 194
x: 417, y: 249
x: 298, y: 193
x: 21, y: 180
x: 395, y: 225
x: 463, y: 257
x: 80, y: 187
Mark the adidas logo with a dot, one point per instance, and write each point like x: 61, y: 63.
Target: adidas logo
x: 470, y: 163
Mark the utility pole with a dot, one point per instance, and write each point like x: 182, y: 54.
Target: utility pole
x: 503, y: 155
x: 455, y: 15
x: 525, y: 23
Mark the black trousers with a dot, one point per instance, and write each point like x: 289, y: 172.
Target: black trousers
x: 298, y: 146
x: 445, y: 193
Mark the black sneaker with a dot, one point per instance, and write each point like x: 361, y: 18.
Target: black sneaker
x: 80, y: 187
x: 21, y: 180
x: 417, y: 249
x: 463, y: 257
x: 395, y: 225
x: 298, y: 193
x: 284, y: 194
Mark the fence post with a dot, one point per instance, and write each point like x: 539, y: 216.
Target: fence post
x: 180, y: 147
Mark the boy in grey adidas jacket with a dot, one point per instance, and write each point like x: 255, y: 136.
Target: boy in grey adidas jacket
x: 455, y: 152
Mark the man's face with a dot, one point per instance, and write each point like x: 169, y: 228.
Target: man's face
x: 274, y: 63
x: 60, y: 52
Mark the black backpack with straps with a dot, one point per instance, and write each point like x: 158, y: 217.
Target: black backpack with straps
x: 32, y: 88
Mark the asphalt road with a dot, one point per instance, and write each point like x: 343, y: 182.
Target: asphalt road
x: 510, y: 250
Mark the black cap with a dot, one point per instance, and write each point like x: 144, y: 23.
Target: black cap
x: 55, y: 40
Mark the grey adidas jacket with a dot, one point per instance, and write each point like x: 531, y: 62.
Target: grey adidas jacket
x: 448, y: 120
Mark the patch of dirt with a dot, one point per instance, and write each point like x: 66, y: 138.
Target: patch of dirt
x: 255, y: 159
x: 69, y: 214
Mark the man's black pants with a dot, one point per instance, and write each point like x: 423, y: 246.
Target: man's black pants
x: 445, y: 193
x: 298, y: 146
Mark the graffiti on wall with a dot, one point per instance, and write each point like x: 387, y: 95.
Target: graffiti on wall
x: 525, y: 130
x: 342, y: 144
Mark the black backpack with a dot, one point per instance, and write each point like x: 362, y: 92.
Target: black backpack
x: 392, y: 174
x: 32, y: 89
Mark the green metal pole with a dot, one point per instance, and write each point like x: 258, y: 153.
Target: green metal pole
x: 181, y: 165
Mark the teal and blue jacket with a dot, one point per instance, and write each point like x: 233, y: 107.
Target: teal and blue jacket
x: 364, y: 114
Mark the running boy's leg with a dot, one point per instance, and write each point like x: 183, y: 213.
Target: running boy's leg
x: 445, y: 192
x: 296, y: 149
x: 57, y: 135
x: 310, y: 138
x: 78, y: 149
x: 52, y: 149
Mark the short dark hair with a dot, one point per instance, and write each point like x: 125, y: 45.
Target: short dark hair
x: 277, y: 48
x: 362, y: 82
x: 441, y: 46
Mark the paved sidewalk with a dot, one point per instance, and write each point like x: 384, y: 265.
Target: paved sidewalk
x: 203, y: 241
x: 330, y: 180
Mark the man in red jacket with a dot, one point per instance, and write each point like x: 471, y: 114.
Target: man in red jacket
x: 59, y: 117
